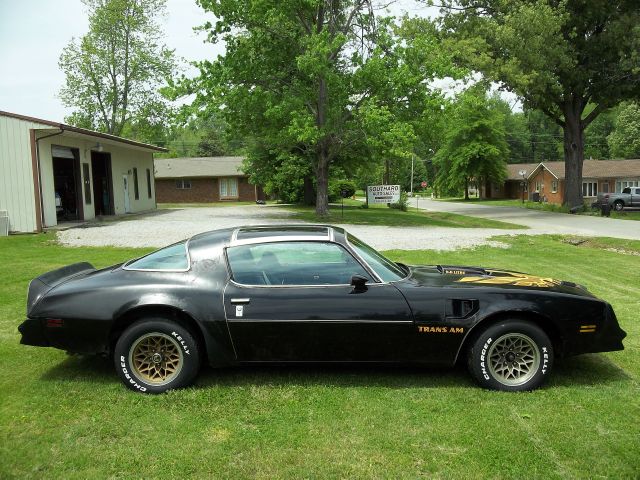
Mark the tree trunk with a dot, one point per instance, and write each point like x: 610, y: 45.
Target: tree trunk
x: 322, y: 151
x: 466, y: 189
x: 386, y: 179
x: 309, y: 193
x: 573, y: 152
x: 322, y: 179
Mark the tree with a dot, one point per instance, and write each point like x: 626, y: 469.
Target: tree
x: 572, y: 59
x: 114, y: 72
x: 516, y: 130
x: 624, y: 140
x: 475, y: 147
x: 545, y: 137
x: 305, y: 78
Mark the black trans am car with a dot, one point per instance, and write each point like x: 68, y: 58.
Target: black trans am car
x: 310, y: 293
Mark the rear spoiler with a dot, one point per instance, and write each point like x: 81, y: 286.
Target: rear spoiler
x: 44, y: 283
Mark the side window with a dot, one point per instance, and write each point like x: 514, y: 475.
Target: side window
x: 170, y: 258
x: 293, y: 263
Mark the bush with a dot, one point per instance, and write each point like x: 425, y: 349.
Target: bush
x: 403, y: 203
x: 336, y: 188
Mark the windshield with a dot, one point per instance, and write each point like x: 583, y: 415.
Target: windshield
x: 387, y: 270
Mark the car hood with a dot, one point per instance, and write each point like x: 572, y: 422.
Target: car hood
x: 465, y: 276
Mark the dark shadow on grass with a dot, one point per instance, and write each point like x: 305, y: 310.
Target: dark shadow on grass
x: 337, y: 376
x: 584, y: 370
x: 82, y: 368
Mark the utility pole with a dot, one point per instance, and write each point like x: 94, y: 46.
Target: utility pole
x: 411, y: 194
x: 523, y: 174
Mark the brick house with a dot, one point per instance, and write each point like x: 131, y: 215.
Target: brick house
x: 203, y: 180
x: 546, y: 180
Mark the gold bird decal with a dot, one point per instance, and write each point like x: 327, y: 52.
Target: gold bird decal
x: 498, y: 277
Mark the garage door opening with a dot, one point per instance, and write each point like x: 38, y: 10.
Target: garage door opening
x: 102, y: 183
x: 66, y: 181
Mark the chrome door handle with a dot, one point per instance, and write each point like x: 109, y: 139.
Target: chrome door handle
x: 240, y: 301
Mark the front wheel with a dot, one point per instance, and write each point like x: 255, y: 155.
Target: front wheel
x: 618, y: 206
x: 513, y: 355
x: 155, y: 355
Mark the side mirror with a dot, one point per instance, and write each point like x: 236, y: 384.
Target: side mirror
x: 359, y: 283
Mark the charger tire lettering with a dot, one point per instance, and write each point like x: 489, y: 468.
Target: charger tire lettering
x: 481, y: 363
x: 123, y: 365
x: 174, y: 333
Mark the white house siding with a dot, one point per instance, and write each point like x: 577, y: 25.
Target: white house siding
x: 123, y: 160
x: 17, y: 194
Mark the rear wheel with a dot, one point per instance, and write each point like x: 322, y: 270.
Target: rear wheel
x: 618, y: 206
x: 513, y: 355
x: 155, y: 355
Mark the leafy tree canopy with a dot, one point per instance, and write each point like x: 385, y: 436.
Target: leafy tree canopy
x: 624, y: 140
x: 475, y: 147
x: 314, y: 82
x: 114, y: 72
x: 571, y: 59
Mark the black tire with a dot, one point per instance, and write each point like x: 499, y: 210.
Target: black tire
x: 154, y: 355
x: 618, y: 205
x: 513, y: 355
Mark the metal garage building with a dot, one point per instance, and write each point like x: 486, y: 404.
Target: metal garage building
x: 51, y: 173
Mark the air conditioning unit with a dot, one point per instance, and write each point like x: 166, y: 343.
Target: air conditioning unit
x: 4, y: 223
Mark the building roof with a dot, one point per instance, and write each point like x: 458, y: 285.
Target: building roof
x: 590, y: 169
x: 199, y: 167
x: 83, y: 131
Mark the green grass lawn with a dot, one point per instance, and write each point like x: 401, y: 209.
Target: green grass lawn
x: 69, y: 417
x: 549, y: 207
x: 354, y: 214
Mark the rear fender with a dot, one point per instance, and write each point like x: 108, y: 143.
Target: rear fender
x: 41, y: 285
x: 212, y: 334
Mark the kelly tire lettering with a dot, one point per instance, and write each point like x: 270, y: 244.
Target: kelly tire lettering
x: 154, y: 355
x: 512, y: 355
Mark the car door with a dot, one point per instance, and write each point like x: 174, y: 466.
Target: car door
x: 293, y: 301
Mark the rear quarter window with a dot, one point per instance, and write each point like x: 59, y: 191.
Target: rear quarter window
x: 171, y: 258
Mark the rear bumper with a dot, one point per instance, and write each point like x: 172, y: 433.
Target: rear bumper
x: 32, y: 331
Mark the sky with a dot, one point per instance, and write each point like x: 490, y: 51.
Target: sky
x: 33, y: 34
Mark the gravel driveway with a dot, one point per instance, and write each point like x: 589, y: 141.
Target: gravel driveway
x: 163, y: 227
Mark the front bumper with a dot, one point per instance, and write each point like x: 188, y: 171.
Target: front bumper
x: 32, y: 330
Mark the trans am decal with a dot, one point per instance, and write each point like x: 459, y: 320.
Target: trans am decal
x: 498, y: 277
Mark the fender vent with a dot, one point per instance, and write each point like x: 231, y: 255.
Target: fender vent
x: 461, y: 308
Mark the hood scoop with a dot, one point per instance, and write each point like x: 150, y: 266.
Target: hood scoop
x: 457, y: 270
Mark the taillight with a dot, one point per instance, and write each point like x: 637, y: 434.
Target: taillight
x: 55, y: 322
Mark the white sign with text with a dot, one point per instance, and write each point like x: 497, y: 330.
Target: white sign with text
x: 383, y: 193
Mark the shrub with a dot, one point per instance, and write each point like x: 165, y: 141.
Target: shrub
x: 336, y: 188
x: 403, y: 203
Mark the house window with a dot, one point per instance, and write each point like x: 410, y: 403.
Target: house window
x: 626, y: 183
x: 136, y: 191
x: 554, y: 186
x: 183, y: 184
x: 148, y: 183
x: 229, y: 187
x: 538, y: 186
x: 605, y: 187
x: 589, y: 189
